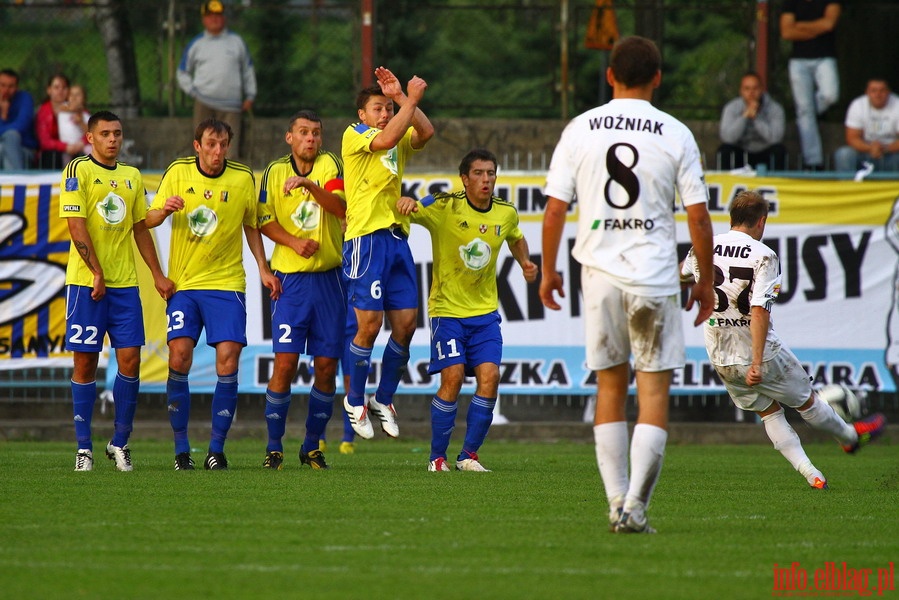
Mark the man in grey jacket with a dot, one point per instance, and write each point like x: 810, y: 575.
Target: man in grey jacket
x: 752, y: 129
x: 217, y: 72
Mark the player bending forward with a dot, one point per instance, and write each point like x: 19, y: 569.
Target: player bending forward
x: 759, y: 372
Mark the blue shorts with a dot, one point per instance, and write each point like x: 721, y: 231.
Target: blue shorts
x: 380, y: 272
x: 471, y: 341
x: 310, y: 315
x: 223, y: 314
x: 118, y: 313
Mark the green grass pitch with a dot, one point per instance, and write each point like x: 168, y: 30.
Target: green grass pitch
x: 377, y: 525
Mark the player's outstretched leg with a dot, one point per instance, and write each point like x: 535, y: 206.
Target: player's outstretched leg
x: 821, y: 415
x: 868, y: 430
x: 787, y: 443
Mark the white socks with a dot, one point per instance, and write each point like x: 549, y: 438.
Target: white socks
x: 647, y: 450
x: 787, y: 443
x: 821, y: 416
x: 611, y: 458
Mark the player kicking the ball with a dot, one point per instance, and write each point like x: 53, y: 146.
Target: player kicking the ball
x: 759, y: 372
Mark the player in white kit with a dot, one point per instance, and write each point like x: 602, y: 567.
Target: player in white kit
x: 623, y: 162
x: 759, y: 372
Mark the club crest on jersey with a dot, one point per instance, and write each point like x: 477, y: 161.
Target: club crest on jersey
x: 482, y: 228
x: 475, y: 254
x: 128, y: 184
x: 113, y: 183
x: 497, y: 230
x: 207, y: 194
x: 224, y: 197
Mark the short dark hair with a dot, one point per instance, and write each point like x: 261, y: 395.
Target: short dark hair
x: 365, y: 94
x: 309, y: 115
x: 635, y: 61
x: 473, y: 155
x: 747, y: 208
x: 10, y: 73
x: 101, y: 115
x: 216, y: 126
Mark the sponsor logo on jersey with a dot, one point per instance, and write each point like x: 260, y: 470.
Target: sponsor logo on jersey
x: 612, y: 224
x: 71, y: 208
x: 98, y: 182
x: 475, y: 254
x: 190, y: 190
x: 112, y: 209
x: 202, y: 221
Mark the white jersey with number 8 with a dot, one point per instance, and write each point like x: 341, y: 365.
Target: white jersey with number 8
x: 624, y: 160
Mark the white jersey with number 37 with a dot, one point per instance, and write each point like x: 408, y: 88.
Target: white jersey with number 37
x: 747, y: 274
x: 623, y: 162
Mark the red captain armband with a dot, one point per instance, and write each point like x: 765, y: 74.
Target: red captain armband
x: 335, y: 185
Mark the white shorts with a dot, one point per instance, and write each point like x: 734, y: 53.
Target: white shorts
x: 783, y: 380
x: 620, y: 324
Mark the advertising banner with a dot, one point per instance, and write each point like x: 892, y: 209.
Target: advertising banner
x: 838, y: 243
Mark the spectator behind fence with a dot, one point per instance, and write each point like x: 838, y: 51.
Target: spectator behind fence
x: 17, y: 140
x: 217, y: 72
x: 752, y: 129
x: 72, y: 121
x: 53, y: 150
x: 872, y: 130
x: 814, y: 78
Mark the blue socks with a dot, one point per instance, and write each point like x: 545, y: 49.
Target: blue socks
x: 178, y: 391
x: 478, y: 420
x: 358, y: 374
x: 83, y: 397
x: 321, y: 406
x: 224, y: 403
x: 124, y: 393
x: 393, y: 362
x: 276, y: 406
x: 443, y: 421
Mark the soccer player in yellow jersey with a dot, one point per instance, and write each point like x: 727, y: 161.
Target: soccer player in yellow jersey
x: 467, y: 228
x: 104, y: 204
x: 210, y: 200
x: 301, y: 208
x: 377, y: 261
